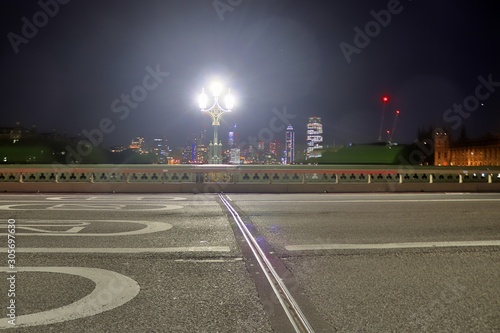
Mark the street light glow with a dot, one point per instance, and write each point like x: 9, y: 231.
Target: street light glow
x: 216, y: 89
x: 229, y: 100
x: 203, y: 99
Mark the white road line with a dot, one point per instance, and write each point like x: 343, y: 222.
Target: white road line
x: 88, y: 207
x: 150, y: 227
x: 315, y: 247
x: 209, y: 260
x: 115, y: 198
x: 373, y: 200
x: 112, y: 290
x: 127, y: 250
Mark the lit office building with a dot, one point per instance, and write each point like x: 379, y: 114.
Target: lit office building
x: 161, y: 150
x: 138, y: 145
x: 290, y: 145
x: 235, y: 156
x: 314, y: 137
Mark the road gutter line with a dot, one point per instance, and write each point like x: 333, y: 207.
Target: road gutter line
x: 288, y: 303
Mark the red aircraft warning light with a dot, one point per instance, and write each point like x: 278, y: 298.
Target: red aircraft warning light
x: 385, y: 99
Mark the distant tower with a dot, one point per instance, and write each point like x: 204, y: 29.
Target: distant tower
x: 314, y: 137
x: 290, y: 145
x: 233, y: 137
x: 442, y: 152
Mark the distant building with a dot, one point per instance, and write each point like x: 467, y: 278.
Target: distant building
x: 314, y: 137
x: 138, y: 145
x: 201, y: 154
x: 479, y: 152
x: 188, y: 154
x: 118, y: 149
x: 161, y: 150
x: 17, y: 132
x: 233, y: 138
x: 289, y: 145
x: 235, y: 156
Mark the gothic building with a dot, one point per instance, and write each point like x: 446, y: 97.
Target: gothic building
x: 479, y: 152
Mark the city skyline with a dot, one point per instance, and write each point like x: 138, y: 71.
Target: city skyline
x: 436, y: 62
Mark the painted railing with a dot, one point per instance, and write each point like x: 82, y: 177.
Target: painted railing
x: 301, y: 174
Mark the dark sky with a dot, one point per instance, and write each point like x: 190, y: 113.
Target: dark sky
x: 273, y: 54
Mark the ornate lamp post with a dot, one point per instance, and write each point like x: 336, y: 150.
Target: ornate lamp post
x: 215, y: 111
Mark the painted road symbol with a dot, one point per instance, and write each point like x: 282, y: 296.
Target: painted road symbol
x: 91, y: 207
x: 76, y: 228
x: 111, y: 291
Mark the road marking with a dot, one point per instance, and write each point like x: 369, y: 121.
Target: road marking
x: 315, y: 247
x: 111, y: 291
x: 126, y: 250
x: 371, y: 200
x: 80, y: 207
x: 150, y: 227
x: 209, y: 260
x: 115, y: 198
x: 73, y: 228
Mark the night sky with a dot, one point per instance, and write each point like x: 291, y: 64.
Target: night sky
x: 273, y: 54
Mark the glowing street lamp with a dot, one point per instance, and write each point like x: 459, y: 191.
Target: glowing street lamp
x: 215, y: 111
x: 385, y: 99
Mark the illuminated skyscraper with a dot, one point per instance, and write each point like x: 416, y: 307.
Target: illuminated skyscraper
x: 314, y: 137
x: 233, y: 137
x: 290, y: 145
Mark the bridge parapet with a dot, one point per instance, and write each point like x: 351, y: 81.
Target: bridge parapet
x: 245, y: 174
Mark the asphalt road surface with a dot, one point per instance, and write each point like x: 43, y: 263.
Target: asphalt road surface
x: 250, y: 263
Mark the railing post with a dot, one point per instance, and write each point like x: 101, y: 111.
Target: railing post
x: 460, y: 179
x: 401, y: 178
x: 369, y: 178
x: 490, y: 178
x: 431, y: 178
